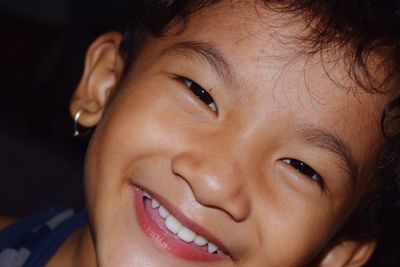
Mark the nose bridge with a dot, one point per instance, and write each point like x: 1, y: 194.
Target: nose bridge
x: 213, y: 169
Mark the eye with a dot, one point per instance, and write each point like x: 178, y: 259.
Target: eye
x: 305, y: 170
x: 200, y: 92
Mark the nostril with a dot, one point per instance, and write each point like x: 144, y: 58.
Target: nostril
x: 214, y: 183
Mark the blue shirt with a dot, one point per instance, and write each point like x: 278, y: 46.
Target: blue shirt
x: 33, y: 241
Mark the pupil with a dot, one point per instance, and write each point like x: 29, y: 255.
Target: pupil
x: 303, y: 168
x: 201, y: 93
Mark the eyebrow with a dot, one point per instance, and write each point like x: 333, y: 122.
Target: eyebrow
x: 327, y: 140
x: 318, y: 137
x: 205, y: 52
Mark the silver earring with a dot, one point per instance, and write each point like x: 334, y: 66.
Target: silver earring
x: 76, y: 124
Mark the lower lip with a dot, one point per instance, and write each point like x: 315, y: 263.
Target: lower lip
x: 173, y: 245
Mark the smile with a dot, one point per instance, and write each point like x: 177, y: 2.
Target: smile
x: 178, y: 236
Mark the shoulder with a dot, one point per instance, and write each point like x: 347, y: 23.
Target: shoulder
x: 5, y: 221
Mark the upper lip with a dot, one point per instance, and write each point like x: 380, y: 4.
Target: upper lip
x: 187, y: 222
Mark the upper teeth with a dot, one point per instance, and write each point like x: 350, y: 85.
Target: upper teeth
x: 176, y: 227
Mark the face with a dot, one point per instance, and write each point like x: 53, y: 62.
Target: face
x: 226, y: 146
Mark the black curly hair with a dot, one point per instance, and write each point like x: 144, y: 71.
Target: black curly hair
x: 361, y: 28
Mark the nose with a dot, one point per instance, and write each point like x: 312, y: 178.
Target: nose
x: 215, y: 178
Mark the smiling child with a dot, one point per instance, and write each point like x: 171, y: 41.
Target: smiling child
x: 235, y: 133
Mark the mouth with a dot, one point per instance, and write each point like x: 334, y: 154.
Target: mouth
x: 170, y: 230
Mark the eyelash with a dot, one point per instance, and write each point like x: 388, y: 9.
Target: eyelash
x: 203, y: 95
x: 305, y: 170
x: 200, y: 92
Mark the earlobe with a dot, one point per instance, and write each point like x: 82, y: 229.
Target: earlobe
x: 103, y: 67
x: 347, y: 253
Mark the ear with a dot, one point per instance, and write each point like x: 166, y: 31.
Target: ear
x: 103, y: 67
x: 349, y: 253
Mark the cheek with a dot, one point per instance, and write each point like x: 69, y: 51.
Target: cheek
x: 293, y: 230
x: 138, y: 124
x: 290, y: 222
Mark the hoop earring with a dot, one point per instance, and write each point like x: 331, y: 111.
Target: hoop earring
x: 77, y: 133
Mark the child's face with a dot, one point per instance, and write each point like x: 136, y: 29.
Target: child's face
x: 228, y: 175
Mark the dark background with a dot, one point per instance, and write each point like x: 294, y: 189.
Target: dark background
x: 42, y: 46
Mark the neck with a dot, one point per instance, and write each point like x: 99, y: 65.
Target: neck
x: 78, y: 251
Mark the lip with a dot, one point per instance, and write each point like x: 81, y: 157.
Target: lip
x: 166, y: 242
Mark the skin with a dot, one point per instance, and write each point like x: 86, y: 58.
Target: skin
x: 5, y: 220
x: 223, y: 170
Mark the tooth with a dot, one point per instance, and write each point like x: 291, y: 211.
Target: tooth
x: 212, y: 248
x: 186, y: 234
x: 173, y: 224
x: 145, y: 194
x: 164, y: 213
x: 155, y: 203
x: 200, y: 241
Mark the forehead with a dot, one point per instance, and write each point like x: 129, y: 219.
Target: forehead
x: 263, y: 48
